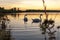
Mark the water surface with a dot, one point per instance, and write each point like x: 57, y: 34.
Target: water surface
x: 20, y: 30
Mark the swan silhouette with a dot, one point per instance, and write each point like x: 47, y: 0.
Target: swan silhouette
x: 36, y: 20
x: 25, y: 18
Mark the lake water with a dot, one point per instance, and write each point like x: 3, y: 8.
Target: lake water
x: 20, y: 30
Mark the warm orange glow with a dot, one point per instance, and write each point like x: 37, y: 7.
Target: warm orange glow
x: 31, y: 4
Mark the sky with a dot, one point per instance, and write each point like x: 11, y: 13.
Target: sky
x: 30, y: 4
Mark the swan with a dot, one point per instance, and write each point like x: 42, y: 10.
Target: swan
x: 36, y: 20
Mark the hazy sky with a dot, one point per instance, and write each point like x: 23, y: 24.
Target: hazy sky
x: 30, y: 4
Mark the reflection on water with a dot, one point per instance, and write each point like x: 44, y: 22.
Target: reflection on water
x: 14, y: 27
x: 4, y: 34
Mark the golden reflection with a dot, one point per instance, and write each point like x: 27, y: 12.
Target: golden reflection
x: 32, y: 16
x: 16, y: 20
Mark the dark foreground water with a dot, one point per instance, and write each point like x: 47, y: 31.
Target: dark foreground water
x: 17, y: 29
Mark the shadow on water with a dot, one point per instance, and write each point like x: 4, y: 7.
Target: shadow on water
x: 5, y: 34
